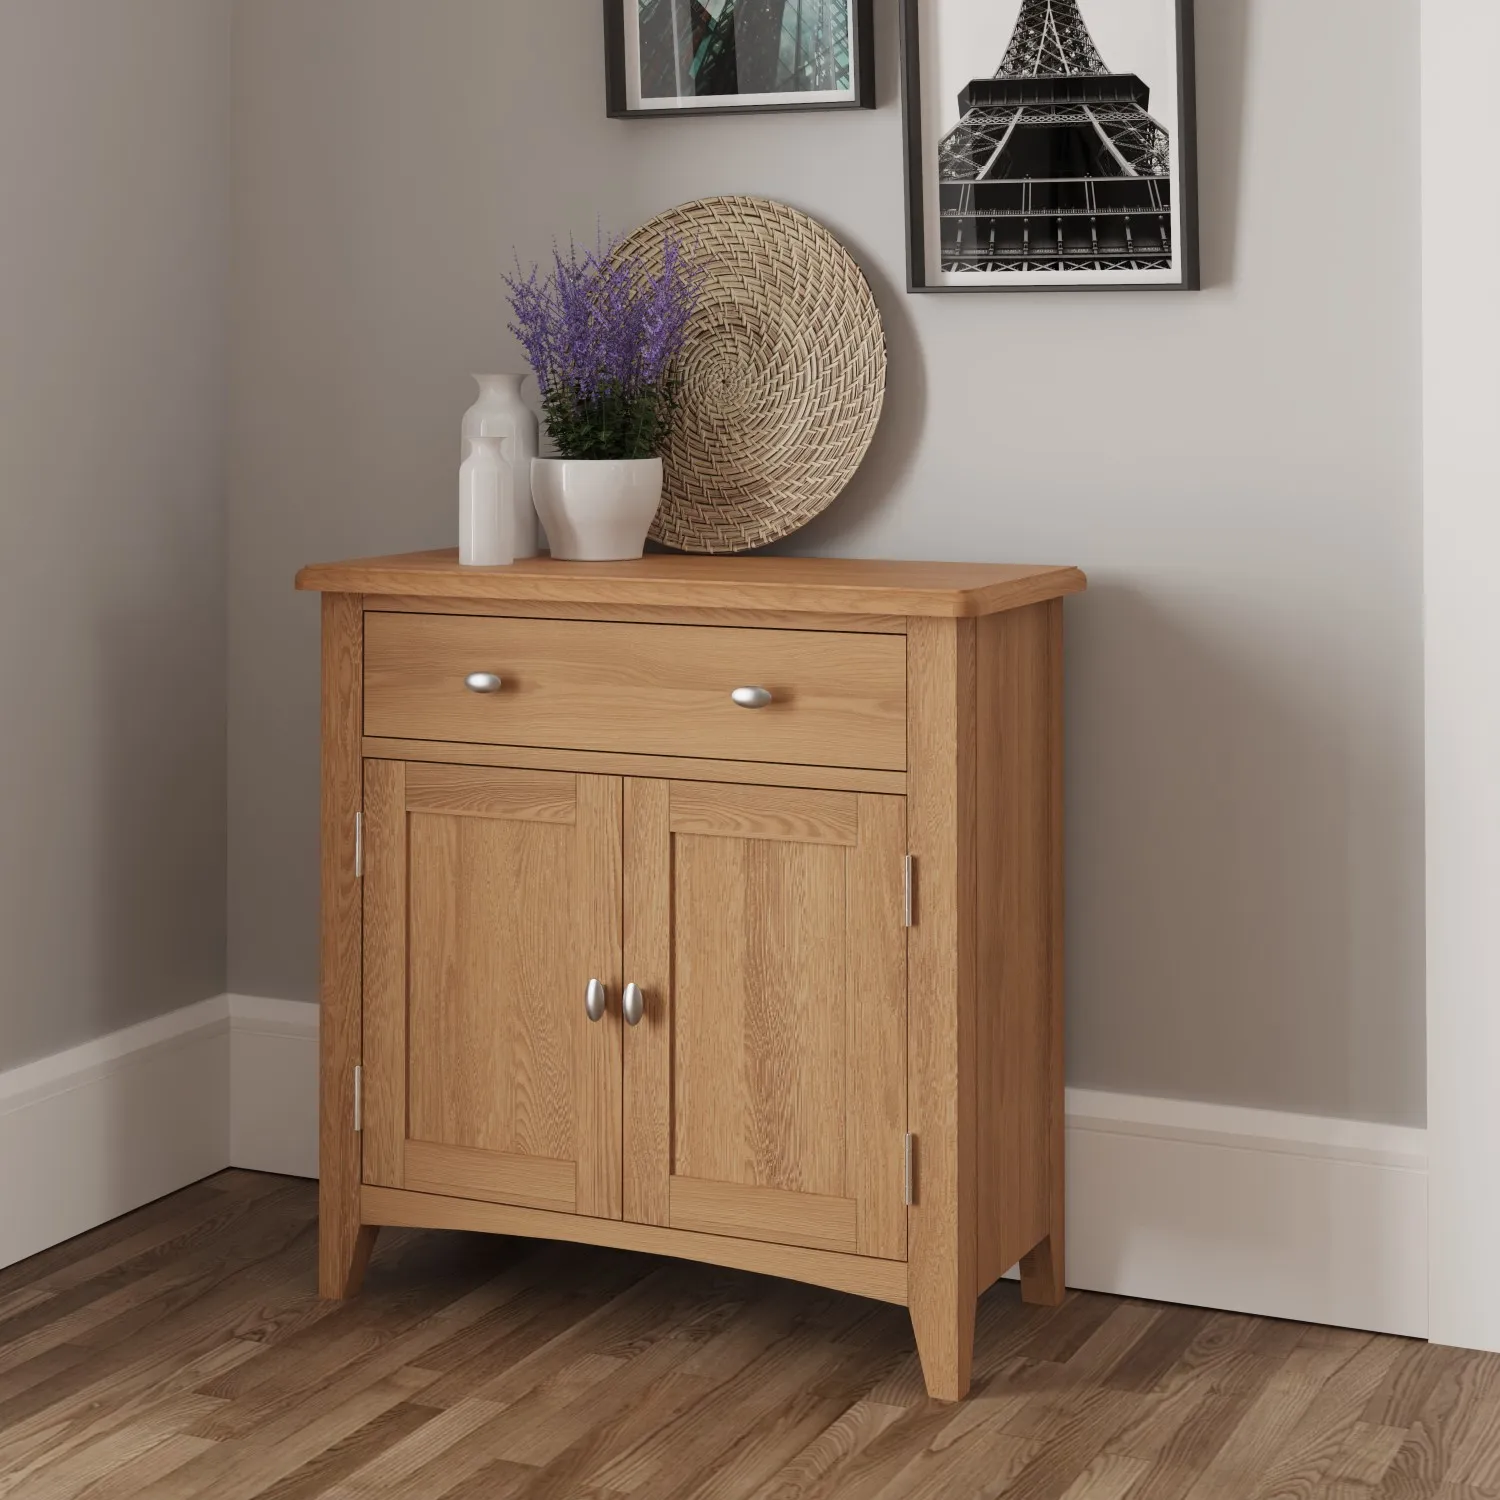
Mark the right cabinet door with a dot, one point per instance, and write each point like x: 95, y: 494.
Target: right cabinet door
x: 765, y: 1086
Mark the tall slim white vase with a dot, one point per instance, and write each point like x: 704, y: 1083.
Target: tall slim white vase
x: 486, y: 505
x: 500, y: 412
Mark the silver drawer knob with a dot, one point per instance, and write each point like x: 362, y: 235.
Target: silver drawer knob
x: 752, y: 697
x: 634, y: 1005
x: 596, y: 1001
x: 483, y: 682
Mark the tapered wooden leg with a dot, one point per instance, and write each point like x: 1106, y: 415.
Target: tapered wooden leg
x: 1042, y: 1272
x: 945, y: 1345
x: 343, y: 1254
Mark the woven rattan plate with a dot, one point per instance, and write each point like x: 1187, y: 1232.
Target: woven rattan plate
x: 783, y: 374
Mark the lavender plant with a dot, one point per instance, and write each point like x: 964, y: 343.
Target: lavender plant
x: 603, y: 334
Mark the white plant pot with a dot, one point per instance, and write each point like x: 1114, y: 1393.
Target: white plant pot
x: 596, y: 509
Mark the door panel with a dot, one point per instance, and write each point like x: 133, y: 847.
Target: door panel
x: 492, y: 898
x: 759, y: 1046
x: 766, y: 1089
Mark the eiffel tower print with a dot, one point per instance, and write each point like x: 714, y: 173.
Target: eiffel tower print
x: 1056, y: 164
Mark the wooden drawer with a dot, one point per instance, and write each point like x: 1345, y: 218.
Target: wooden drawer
x: 838, y: 699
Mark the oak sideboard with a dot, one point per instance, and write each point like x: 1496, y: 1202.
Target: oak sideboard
x: 707, y: 907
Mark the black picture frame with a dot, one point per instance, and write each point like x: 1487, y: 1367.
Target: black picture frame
x: 617, y: 99
x: 1186, y: 252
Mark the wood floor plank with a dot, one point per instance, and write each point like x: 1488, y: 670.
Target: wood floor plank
x: 1178, y: 1453
x: 618, y: 1317
x: 132, y: 1447
x: 761, y: 1448
x: 765, y: 1447
x: 864, y: 1472
x: 972, y: 1443
x: 847, y: 1435
x: 1367, y: 1453
x: 1159, y: 1349
x: 1319, y: 1437
x: 139, y: 1476
x: 163, y: 1399
x: 1476, y: 1452
x: 1172, y: 1426
x: 1111, y: 1476
x: 432, y: 1447
x: 652, y: 1392
x: 179, y: 1343
x: 1261, y: 1437
x: 245, y: 1468
x: 1070, y: 1442
x: 73, y: 1319
x: 757, y: 1363
x: 313, y: 1479
x: 23, y: 1299
x: 650, y: 1330
x: 1404, y: 1391
x: 1059, y: 1337
x: 75, y: 1256
x: 1457, y: 1404
x: 500, y: 1481
x: 182, y: 1354
x: 989, y: 1464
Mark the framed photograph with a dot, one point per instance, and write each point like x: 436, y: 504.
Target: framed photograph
x: 1068, y: 163
x: 673, y: 57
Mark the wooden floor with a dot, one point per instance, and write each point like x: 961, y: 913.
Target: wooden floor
x: 181, y: 1352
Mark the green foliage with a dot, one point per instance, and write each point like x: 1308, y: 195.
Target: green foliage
x: 617, y: 423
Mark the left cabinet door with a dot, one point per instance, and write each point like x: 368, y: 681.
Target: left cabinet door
x: 491, y: 899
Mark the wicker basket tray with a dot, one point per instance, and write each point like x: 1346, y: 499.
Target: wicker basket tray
x: 783, y: 374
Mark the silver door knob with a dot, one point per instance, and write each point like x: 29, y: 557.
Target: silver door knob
x: 752, y: 697
x: 483, y: 682
x: 596, y: 1001
x: 634, y: 1005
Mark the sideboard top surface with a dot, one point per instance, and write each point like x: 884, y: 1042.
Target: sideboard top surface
x: 812, y: 585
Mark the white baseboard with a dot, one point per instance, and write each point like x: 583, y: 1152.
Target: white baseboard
x: 1287, y: 1216
x: 93, y: 1132
x: 273, y: 1091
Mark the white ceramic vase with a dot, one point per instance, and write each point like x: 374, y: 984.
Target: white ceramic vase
x: 597, y: 509
x: 501, y: 413
x: 486, y: 505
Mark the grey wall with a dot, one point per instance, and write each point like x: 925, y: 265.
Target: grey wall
x: 1238, y: 471
x: 114, y: 149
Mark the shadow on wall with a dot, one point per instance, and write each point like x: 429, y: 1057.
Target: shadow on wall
x: 1223, y: 60
x: 898, y: 439
x: 1218, y: 804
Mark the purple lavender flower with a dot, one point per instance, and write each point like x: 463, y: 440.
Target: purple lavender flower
x: 603, y: 335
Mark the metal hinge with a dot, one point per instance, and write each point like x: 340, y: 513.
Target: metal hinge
x: 911, y: 1170
x: 359, y: 846
x: 909, y: 899
x: 359, y: 1099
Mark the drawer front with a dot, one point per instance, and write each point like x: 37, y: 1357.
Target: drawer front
x: 836, y: 700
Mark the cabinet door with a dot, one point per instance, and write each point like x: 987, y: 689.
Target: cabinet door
x: 765, y: 1088
x: 492, y: 898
